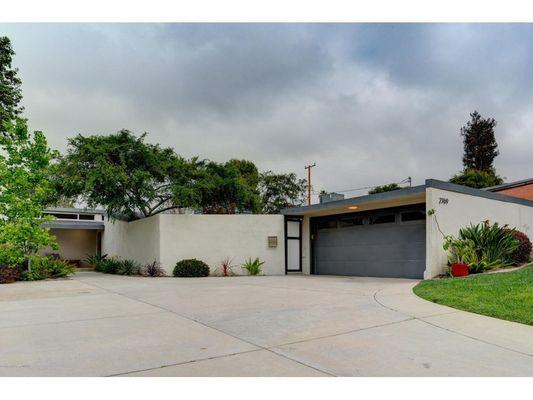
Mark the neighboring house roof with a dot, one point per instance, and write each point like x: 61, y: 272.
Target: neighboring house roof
x: 510, y: 185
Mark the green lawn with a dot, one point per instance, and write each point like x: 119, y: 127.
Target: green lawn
x: 507, y: 295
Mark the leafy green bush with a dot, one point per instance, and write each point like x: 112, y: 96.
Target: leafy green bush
x: 129, y: 267
x: 522, y: 253
x: 492, y: 243
x: 109, y: 265
x: 114, y: 265
x: 253, y: 266
x: 94, y: 259
x: 384, y: 188
x: 190, y: 268
x: 482, y: 246
x: 47, y: 267
x: 476, y: 179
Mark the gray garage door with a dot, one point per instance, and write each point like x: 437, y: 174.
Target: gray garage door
x: 387, y: 243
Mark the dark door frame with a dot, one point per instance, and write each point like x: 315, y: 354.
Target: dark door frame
x: 287, y: 238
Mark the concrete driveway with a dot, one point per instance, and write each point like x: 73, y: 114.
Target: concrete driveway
x: 102, y: 325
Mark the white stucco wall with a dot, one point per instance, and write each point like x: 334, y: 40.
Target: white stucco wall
x: 211, y: 238
x: 168, y: 238
x: 113, y: 238
x: 137, y: 240
x: 460, y: 211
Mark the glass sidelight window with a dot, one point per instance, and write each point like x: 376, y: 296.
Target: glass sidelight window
x: 293, y: 245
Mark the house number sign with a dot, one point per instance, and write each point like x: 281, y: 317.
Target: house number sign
x: 443, y: 200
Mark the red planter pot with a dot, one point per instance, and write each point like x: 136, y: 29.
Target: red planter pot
x: 459, y: 269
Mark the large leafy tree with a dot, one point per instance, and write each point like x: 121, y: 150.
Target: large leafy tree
x: 127, y: 176
x: 10, y: 86
x: 229, y: 188
x: 480, y: 147
x: 279, y: 191
x: 25, y: 187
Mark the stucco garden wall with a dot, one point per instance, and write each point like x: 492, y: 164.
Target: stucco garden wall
x: 168, y: 238
x: 457, y: 210
x: 211, y: 238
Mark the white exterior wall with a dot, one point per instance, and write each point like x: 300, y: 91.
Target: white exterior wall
x: 113, y: 238
x: 461, y: 210
x: 168, y: 238
x: 211, y: 238
x: 137, y: 240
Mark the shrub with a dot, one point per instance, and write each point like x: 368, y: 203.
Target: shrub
x: 9, y: 274
x: 476, y: 179
x: 492, y: 243
x: 108, y: 266
x: 128, y: 267
x: 191, y: 268
x: 226, y: 267
x: 253, y: 266
x: 47, y: 267
x: 482, y: 246
x: 522, y: 253
x: 153, y: 269
x: 94, y: 259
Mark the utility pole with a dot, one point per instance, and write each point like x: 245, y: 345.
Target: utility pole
x: 308, y: 168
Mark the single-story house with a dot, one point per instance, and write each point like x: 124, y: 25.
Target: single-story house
x: 522, y: 189
x: 381, y: 235
x: 390, y: 234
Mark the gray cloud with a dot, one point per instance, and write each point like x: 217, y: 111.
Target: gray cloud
x: 369, y: 103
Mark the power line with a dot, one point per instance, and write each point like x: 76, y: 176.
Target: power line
x: 406, y: 180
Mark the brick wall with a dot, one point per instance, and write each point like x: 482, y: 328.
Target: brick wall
x: 524, y: 192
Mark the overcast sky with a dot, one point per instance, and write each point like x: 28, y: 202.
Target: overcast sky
x: 369, y: 103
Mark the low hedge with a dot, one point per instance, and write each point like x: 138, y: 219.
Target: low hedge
x: 191, y: 268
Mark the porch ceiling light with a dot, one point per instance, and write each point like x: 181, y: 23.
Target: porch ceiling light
x: 353, y: 208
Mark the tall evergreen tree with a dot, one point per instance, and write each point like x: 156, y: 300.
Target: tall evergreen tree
x: 10, y: 91
x: 480, y: 147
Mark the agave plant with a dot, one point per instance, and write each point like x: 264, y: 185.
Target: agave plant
x: 253, y: 266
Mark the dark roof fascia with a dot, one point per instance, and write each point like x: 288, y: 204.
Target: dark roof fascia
x: 64, y: 224
x: 392, y: 195
x: 452, y: 187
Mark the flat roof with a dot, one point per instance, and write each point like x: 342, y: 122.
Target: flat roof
x: 405, y: 196
x: 75, y: 224
x: 73, y: 210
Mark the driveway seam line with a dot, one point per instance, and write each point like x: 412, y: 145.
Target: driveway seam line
x: 184, y: 362
x: 450, y: 330
x: 218, y: 330
x: 81, y: 320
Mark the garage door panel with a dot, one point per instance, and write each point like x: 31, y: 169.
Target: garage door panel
x: 382, y: 250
